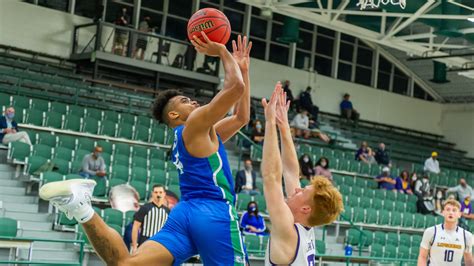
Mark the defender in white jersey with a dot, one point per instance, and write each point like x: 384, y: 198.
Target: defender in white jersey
x: 292, y: 237
x: 446, y: 244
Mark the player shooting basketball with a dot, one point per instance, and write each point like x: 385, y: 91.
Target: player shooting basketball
x: 292, y: 236
x: 205, y: 222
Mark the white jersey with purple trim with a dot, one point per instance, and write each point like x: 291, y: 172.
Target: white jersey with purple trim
x: 305, y: 249
x: 446, y: 247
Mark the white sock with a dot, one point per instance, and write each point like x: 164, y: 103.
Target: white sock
x: 83, y: 213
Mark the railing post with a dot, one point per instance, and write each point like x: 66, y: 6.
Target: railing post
x: 98, y: 36
x: 81, y: 254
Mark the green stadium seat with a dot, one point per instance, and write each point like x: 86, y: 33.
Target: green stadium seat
x: 8, y: 227
x: 379, y: 238
x: 120, y: 172
x: 42, y: 150
x: 33, y: 163
x: 157, y: 164
x: 129, y: 217
x: 411, y: 206
x: 144, y: 121
x: 142, y: 133
x: 63, y: 166
x: 371, y: 216
x: 338, y: 179
x: 76, y: 166
x: 122, y: 148
x: 304, y: 182
x: 175, y: 189
x: 21, y: 102
x: 320, y: 247
x: 261, y: 203
x: 79, y: 154
x: 76, y: 110
x: 139, y: 174
x: 375, y: 170
x: 242, y: 201
x: 47, y: 138
x: 419, y: 220
x: 32, y: 134
x: 357, y: 191
x: 396, y: 219
x: 365, y: 202
x: 120, y: 159
x: 94, y: 113
x: 107, y: 146
x: 91, y: 125
x: 63, y: 220
x: 372, y: 184
x: 158, y: 154
x: 405, y: 240
x: 5, y: 100
x: 355, y: 167
x: 139, y: 162
x: 63, y: 153
x: 408, y: 220
x: 48, y: 177
x: 376, y: 250
x: 57, y: 107
x: 430, y: 220
x: 39, y: 104
x: 173, y: 178
x: 66, y: 141
x: 349, y: 181
x: 73, y: 122
x: 253, y: 244
x: 365, y: 169
x: 140, y: 187
x: 439, y: 219
x: 391, y: 195
x: 20, y: 115
x: 158, y: 134
x: 54, y: 120
x: 34, y: 117
x: 125, y: 131
x: 108, y: 128
x: 127, y: 118
x: 402, y: 197
x: 345, y: 190
x: 140, y: 151
x: 392, y: 238
x: 115, y: 182
x: 158, y: 176
x: 354, y: 238
x: 113, y: 216
x: 380, y: 194
x: 344, y: 165
x: 377, y: 204
x: 100, y: 190
x: 389, y: 205
x: 416, y: 241
x: 384, y: 217
x: 73, y: 176
x: 358, y: 215
x: 390, y: 251
x: 111, y: 116
x: 351, y: 201
x: 360, y: 182
x: 400, y: 206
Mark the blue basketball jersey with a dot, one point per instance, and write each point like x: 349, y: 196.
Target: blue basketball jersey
x: 202, y: 178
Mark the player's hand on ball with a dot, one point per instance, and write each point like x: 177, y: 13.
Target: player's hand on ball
x: 271, y: 106
x: 207, y: 46
x: 241, y: 52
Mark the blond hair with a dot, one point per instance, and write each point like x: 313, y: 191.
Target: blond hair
x: 326, y: 202
x: 453, y: 203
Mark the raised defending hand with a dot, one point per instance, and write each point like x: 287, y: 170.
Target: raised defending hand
x: 241, y: 52
x: 207, y: 46
x: 271, y: 106
x: 282, y: 108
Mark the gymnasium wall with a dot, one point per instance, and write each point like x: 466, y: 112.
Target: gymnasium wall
x: 457, y: 122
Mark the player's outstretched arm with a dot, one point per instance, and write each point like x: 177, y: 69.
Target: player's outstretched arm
x: 291, y: 167
x: 422, y: 257
x: 227, y: 127
x: 202, y: 119
x: 468, y: 261
x: 284, y: 237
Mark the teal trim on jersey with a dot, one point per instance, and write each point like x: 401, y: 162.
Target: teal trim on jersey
x: 220, y: 180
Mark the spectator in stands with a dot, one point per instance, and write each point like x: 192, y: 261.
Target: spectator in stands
x: 300, y: 125
x: 432, y: 164
x: 462, y: 191
x: 257, y: 132
x: 246, y: 180
x: 9, y: 131
x: 322, y: 168
x: 121, y: 35
x: 422, y: 190
x: 381, y: 155
x: 306, y: 102
x: 385, y: 180
x: 289, y: 93
x: 347, y: 110
x: 252, y: 222
x: 365, y: 154
x: 403, y: 184
x: 466, y: 208
x: 150, y: 218
x: 438, y: 202
x: 93, y: 165
x: 306, y: 167
x: 142, y: 40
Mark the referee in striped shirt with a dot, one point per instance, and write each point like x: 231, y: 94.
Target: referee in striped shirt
x: 150, y: 218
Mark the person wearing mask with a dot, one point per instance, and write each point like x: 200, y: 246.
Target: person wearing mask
x: 257, y: 132
x: 322, y: 168
x: 381, y: 155
x: 438, y: 202
x: 252, y: 222
x: 306, y: 102
x: 150, y: 218
x: 9, y: 131
x: 306, y: 167
x: 432, y: 164
x: 246, y: 180
x: 364, y: 154
x: 385, y: 180
x: 403, y: 184
x: 462, y: 191
x: 347, y: 110
x: 300, y: 125
x: 93, y: 165
x: 423, y: 192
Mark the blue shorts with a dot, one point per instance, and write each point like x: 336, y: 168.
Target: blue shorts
x: 206, y: 227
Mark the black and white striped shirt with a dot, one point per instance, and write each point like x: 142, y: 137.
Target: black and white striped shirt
x: 153, y: 218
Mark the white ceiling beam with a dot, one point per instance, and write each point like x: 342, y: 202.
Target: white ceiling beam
x: 461, y: 5
x: 341, y: 6
x: 415, y: 36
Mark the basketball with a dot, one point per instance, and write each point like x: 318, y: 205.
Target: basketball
x: 212, y: 22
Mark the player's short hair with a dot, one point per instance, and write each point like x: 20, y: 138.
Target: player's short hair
x: 161, y: 102
x: 326, y: 203
x: 452, y: 202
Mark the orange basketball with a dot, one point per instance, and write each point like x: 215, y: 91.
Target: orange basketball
x: 212, y: 22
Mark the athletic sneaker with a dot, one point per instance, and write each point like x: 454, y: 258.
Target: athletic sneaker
x: 73, y: 197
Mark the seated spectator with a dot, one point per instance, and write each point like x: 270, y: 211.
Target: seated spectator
x: 9, y: 131
x: 403, y: 184
x: 289, y: 93
x: 300, y: 125
x: 381, y: 155
x: 347, y: 110
x: 422, y: 190
x: 462, y: 191
x: 385, y: 180
x: 365, y: 154
x: 466, y: 208
x: 432, y: 164
x: 439, y: 199
x: 93, y: 165
x: 257, y: 132
x: 252, y: 222
x: 245, y: 180
x: 306, y: 167
x: 306, y: 102
x: 322, y: 168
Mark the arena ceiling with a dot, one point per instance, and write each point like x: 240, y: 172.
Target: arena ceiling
x: 423, y: 32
